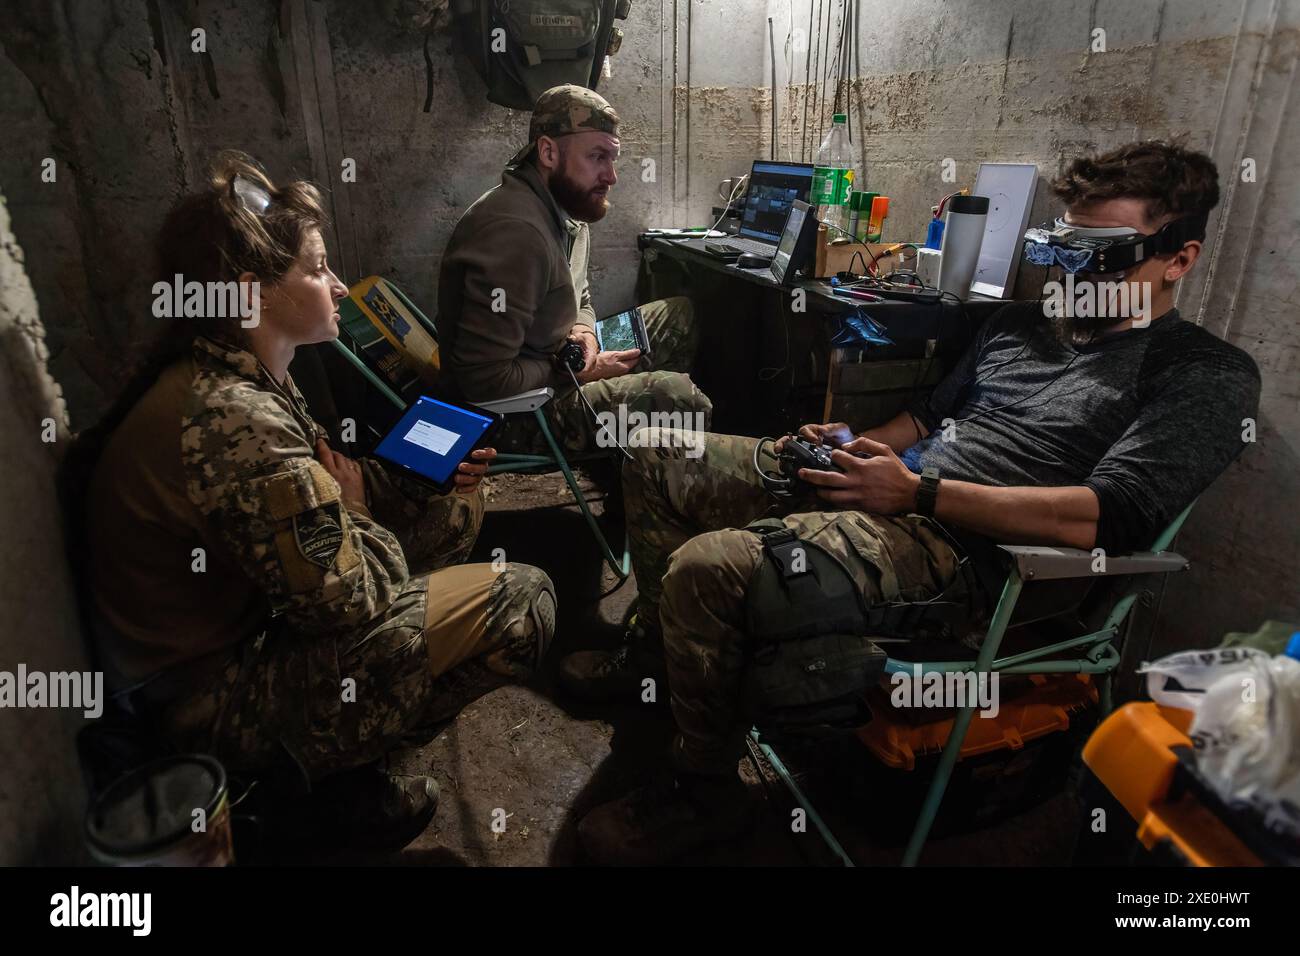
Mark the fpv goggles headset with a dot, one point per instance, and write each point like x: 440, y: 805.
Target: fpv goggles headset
x: 1082, y: 249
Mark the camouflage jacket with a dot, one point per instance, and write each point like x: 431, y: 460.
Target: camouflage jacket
x: 247, y: 451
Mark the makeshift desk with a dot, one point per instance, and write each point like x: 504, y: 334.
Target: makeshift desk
x: 765, y: 356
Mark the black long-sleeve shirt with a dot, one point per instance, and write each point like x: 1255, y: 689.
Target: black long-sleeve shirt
x: 1146, y: 418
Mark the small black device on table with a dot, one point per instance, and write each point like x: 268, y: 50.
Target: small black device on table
x: 433, y: 437
x: 723, y: 250
x: 741, y: 258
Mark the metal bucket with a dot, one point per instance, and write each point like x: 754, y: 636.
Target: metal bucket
x: 151, y: 816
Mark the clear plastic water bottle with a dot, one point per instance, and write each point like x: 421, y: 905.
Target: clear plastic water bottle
x: 833, y: 177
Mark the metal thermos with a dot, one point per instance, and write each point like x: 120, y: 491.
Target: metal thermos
x: 962, y: 237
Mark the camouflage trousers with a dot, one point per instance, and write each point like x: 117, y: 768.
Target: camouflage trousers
x: 326, y: 703
x: 693, y: 567
x: 659, y: 387
x: 434, y: 530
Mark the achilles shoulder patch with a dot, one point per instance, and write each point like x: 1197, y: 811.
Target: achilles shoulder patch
x: 319, y: 534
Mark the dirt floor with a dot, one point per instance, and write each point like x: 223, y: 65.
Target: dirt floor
x: 541, y: 760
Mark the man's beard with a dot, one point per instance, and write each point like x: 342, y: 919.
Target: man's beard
x: 582, y: 204
x: 1081, y: 330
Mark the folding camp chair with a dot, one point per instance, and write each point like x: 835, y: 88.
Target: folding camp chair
x: 383, y: 329
x: 1100, y: 656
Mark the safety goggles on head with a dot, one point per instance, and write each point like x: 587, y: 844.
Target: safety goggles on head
x: 250, y: 195
x: 1103, y: 250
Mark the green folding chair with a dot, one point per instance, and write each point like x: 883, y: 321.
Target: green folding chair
x: 1092, y: 653
x: 386, y: 338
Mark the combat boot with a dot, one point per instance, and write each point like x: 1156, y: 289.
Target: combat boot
x: 672, y: 816
x: 617, y: 676
x: 365, y: 808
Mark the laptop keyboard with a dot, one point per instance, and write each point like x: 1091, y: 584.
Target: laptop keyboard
x: 748, y: 245
x: 728, y: 247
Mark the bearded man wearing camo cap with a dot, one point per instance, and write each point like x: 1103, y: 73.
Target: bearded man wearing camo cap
x: 513, y: 288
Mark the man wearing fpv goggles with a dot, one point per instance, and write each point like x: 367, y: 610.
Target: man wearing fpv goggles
x: 1120, y: 249
x: 1081, y: 426
x: 1108, y: 250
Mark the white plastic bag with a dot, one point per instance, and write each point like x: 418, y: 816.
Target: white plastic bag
x: 1246, y: 728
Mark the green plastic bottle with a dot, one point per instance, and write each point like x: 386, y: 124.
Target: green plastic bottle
x: 833, y: 176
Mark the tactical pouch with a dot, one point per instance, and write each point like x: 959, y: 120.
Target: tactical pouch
x: 809, y: 659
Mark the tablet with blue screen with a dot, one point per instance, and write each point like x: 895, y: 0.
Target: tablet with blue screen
x: 433, y: 437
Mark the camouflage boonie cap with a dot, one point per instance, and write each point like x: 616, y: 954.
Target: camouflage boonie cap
x: 562, y: 110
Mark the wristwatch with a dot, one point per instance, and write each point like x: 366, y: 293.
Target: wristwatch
x: 927, y: 492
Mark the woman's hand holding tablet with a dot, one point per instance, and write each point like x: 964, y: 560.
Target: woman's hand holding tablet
x: 435, y: 441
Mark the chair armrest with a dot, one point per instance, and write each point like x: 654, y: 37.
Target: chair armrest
x: 523, y: 402
x: 1046, y: 564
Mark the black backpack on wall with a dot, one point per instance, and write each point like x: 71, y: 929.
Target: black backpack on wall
x: 523, y: 47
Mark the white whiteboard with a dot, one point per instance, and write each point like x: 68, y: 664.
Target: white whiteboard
x: 1009, y: 188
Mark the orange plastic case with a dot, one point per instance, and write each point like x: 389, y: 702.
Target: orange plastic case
x: 1134, y: 754
x: 898, y: 736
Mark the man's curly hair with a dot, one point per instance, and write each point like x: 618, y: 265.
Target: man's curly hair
x: 1173, y: 180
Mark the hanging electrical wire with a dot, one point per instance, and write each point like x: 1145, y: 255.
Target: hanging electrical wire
x: 856, y: 72
x: 771, y: 42
x: 787, y: 129
x: 837, y: 102
x: 816, y: 88
x: 938, y: 213
x: 807, y: 86
x: 846, y: 70
x: 826, y: 76
x: 835, y: 71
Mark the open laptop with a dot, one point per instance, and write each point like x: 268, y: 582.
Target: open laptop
x: 773, y: 188
x: 797, y: 246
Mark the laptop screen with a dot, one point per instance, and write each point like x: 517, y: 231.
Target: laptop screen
x: 772, y: 188
x: 785, y: 249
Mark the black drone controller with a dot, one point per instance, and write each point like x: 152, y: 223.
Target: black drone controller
x: 795, y: 454
x: 571, y: 357
x: 801, y: 453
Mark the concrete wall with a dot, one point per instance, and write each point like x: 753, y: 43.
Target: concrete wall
x: 1002, y: 81
x: 41, y: 794
x: 114, y: 94
x: 1245, y: 536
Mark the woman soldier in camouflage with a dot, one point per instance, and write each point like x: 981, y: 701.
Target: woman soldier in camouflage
x: 266, y: 598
